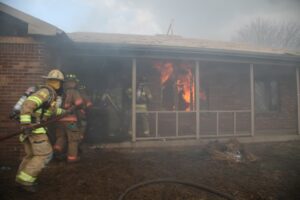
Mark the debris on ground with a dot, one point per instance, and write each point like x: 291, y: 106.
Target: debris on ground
x: 106, y: 174
x: 231, y: 151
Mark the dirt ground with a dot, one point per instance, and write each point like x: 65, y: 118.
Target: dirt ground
x: 105, y: 174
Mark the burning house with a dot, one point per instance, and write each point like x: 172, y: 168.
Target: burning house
x: 200, y: 89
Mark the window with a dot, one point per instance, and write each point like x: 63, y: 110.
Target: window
x: 266, y: 96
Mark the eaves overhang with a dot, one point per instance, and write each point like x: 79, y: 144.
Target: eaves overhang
x: 35, y: 26
x: 187, y: 53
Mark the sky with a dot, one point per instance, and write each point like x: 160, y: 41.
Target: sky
x: 205, y: 19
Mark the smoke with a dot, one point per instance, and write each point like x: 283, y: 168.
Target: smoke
x: 214, y: 19
x: 217, y: 19
x: 115, y: 16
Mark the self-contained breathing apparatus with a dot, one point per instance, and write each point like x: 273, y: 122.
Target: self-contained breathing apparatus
x: 141, y: 95
x: 15, y: 113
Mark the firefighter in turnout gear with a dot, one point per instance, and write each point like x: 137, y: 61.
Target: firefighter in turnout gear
x: 37, y: 108
x: 83, y: 112
x: 143, y: 97
x: 112, y: 100
x: 68, y: 131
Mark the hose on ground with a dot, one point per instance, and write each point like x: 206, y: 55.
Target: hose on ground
x: 190, y: 184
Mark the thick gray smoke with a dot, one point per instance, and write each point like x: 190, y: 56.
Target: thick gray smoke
x: 214, y: 19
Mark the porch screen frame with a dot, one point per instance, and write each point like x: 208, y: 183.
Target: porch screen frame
x: 197, y: 71
x: 133, y: 114
x: 298, y: 98
x: 252, y: 100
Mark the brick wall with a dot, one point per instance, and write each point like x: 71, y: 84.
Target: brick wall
x: 22, y: 63
x: 285, y: 118
x: 227, y: 87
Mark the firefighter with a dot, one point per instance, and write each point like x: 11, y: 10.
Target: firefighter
x: 112, y: 100
x: 68, y: 131
x: 36, y: 108
x: 143, y: 97
x: 83, y: 112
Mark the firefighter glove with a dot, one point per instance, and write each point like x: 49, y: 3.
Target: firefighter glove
x: 26, y: 129
x: 14, y: 114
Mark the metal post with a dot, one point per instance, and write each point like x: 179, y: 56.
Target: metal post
x: 156, y: 124
x: 217, y: 123
x: 234, y: 123
x: 298, y: 98
x: 133, y: 116
x: 252, y: 100
x: 177, y: 123
x: 197, y: 100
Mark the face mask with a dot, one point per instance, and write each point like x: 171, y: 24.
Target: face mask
x: 54, y: 83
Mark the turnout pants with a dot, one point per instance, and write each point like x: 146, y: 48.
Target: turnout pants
x: 68, y: 133
x: 143, y: 116
x: 38, y: 153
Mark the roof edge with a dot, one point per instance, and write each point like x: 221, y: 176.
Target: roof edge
x: 35, y: 25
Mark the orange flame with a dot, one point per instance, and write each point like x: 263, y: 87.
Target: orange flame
x: 186, y: 84
x: 166, y: 70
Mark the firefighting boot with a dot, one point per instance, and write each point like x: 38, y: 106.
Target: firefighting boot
x: 26, y: 187
x: 72, y: 159
x: 58, y: 153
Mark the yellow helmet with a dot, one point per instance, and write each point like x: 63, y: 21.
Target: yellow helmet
x: 55, y: 74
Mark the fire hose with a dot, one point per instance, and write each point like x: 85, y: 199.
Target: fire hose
x: 190, y: 184
x: 43, y: 124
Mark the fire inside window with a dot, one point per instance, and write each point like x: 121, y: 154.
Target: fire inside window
x: 177, y: 83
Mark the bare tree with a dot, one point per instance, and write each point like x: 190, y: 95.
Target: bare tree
x: 265, y: 33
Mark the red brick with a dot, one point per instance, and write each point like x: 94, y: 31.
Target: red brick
x: 20, y: 67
